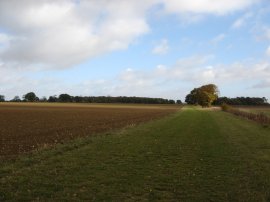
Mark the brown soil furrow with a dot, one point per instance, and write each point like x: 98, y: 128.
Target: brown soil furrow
x: 26, y: 127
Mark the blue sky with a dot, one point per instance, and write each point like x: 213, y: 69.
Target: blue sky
x: 152, y: 48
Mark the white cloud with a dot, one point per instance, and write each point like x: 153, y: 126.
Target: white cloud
x: 267, y: 33
x: 4, y: 41
x: 262, y: 84
x: 190, y: 72
x: 60, y: 34
x: 262, y: 32
x: 163, y: 81
x: 218, y: 38
x: 242, y: 20
x: 161, y: 48
x: 49, y: 34
x: 219, y: 7
x: 3, y: 38
x: 268, y: 51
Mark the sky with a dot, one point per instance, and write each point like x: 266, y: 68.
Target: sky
x: 149, y: 48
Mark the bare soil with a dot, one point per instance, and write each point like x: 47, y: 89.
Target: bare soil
x: 25, y: 127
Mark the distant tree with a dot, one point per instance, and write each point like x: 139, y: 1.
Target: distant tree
x: 191, y: 98
x: 108, y: 99
x: 256, y: 101
x: 78, y: 99
x: 43, y: 99
x: 204, y: 95
x: 2, y: 98
x: 16, y: 99
x: 208, y: 94
x: 52, y: 99
x: 171, y: 102
x: 30, y: 97
x: 265, y: 101
x: 179, y: 102
x: 65, y: 98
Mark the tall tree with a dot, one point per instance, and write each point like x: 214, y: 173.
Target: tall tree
x: 65, y: 98
x: 208, y: 94
x: 2, y: 98
x: 16, y: 99
x: 52, y: 99
x: 43, y: 99
x: 30, y: 97
x: 192, y: 98
x: 204, y: 95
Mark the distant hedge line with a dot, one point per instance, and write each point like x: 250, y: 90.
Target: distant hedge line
x: 256, y: 101
x: 260, y: 117
x: 107, y: 99
x: 31, y: 97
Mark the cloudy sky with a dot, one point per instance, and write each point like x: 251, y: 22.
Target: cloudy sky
x: 153, y: 48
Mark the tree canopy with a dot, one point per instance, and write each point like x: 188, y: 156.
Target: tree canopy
x: 30, y: 97
x: 204, y: 95
x: 65, y: 98
x: 2, y: 98
x: 109, y: 99
x: 256, y: 101
x: 16, y: 99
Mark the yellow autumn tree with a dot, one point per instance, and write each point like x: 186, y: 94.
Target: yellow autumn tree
x: 204, y: 95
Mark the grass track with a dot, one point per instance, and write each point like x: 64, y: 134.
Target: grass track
x: 194, y: 155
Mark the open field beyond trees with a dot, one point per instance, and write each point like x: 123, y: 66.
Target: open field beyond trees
x: 192, y: 155
x: 255, y: 109
x: 25, y: 126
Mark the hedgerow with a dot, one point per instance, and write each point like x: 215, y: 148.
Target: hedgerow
x: 260, y: 117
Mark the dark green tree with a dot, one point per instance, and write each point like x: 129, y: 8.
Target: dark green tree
x: 16, y: 99
x: 65, y: 98
x: 30, y: 97
x: 43, y: 99
x: 191, y: 98
x: 2, y: 98
x: 256, y: 101
x: 52, y: 99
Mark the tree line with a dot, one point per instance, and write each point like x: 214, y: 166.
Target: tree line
x: 208, y: 94
x: 256, y: 101
x: 2, y: 98
x: 31, y: 97
x: 205, y: 96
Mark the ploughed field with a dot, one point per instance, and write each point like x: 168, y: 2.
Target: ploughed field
x: 25, y: 127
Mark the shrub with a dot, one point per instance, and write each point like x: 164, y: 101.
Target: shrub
x: 260, y: 118
x: 225, y: 107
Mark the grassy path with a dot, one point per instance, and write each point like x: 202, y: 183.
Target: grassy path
x: 194, y: 155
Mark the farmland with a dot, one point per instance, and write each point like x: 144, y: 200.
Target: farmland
x: 190, y: 155
x: 255, y: 109
x: 25, y: 127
